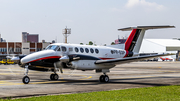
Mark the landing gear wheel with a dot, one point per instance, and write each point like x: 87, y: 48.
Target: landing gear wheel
x: 54, y: 77
x: 101, y: 78
x: 106, y: 78
x: 26, y: 80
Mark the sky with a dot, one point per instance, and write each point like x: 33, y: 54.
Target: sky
x: 89, y: 20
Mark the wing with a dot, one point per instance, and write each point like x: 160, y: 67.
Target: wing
x: 129, y: 59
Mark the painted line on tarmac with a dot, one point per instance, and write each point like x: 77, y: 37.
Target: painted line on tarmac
x: 86, y: 78
x: 13, y: 73
x: 10, y: 73
x: 7, y: 83
x: 170, y: 71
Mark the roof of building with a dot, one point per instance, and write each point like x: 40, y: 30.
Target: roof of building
x: 166, y: 42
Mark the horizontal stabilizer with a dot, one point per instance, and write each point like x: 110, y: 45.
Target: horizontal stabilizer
x: 146, y: 27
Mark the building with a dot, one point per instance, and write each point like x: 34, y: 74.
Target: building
x: 120, y: 41
x: 160, y: 46
x: 32, y: 38
x: 21, y: 48
x: 28, y: 48
x: 10, y: 48
x: 1, y: 39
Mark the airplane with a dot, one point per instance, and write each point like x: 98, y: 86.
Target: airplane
x: 166, y: 58
x: 60, y: 56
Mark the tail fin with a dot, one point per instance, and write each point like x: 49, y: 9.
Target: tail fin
x: 133, y: 43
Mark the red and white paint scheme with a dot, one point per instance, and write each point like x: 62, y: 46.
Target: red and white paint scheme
x: 88, y: 57
x: 166, y: 58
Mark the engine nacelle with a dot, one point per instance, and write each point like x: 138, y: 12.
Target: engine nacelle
x: 89, y: 65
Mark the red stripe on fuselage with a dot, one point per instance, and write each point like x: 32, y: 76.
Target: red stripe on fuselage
x: 106, y: 58
x: 130, y: 39
x: 55, y: 57
x: 50, y: 57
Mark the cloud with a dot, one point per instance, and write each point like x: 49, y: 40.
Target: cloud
x: 144, y: 4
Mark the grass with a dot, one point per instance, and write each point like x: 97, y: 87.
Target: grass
x: 162, y: 93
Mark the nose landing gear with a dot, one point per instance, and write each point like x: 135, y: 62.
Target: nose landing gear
x: 26, y: 79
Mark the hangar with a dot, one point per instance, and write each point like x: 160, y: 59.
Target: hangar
x: 160, y: 45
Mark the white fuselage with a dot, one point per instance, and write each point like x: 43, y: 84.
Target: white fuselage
x: 89, y: 55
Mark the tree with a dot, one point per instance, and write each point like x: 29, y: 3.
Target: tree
x: 90, y: 43
x: 112, y: 43
x: 81, y: 43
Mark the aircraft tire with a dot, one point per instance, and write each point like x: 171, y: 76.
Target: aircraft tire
x: 26, y: 80
x: 56, y: 76
x: 52, y: 76
x: 101, y: 78
x: 106, y: 78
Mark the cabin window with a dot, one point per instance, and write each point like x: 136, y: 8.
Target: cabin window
x: 63, y: 48
x: 87, y: 50
x: 82, y: 50
x: 92, y: 51
x: 76, y: 49
x: 97, y: 51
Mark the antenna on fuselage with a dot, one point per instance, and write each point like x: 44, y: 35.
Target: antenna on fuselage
x: 66, y: 33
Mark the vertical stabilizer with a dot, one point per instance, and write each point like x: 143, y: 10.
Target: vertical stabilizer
x: 133, y: 43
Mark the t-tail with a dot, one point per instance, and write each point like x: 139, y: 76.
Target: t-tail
x: 133, y: 43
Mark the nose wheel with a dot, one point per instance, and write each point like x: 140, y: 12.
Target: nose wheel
x: 26, y: 79
x: 104, y: 78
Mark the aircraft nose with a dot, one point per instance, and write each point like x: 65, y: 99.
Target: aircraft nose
x: 24, y: 60
x: 37, y: 56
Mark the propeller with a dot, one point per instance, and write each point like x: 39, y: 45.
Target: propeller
x: 66, y: 59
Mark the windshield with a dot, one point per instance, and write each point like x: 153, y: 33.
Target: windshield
x: 52, y: 47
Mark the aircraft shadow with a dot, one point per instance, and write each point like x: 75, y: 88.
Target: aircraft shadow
x: 112, y: 81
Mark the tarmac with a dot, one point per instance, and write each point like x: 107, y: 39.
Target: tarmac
x: 125, y: 76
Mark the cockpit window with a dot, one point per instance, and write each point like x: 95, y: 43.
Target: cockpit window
x: 63, y: 48
x: 52, y: 47
x: 58, y: 48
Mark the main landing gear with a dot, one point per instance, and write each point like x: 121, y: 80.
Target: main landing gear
x: 104, y: 78
x: 54, y: 76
